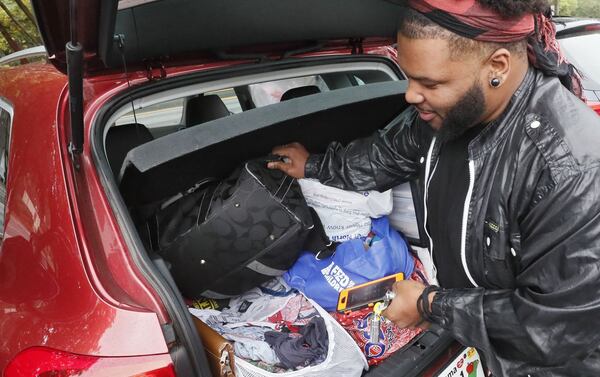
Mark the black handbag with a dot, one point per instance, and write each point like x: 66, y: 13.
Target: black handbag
x: 223, y: 238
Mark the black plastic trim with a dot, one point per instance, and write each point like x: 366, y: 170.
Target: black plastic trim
x: 416, y: 357
x: 191, y: 139
x: 159, y: 29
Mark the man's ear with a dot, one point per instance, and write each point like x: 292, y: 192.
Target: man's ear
x: 498, y: 65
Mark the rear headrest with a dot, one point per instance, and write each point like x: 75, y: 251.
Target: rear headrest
x: 300, y: 91
x: 204, y: 109
x: 121, y: 139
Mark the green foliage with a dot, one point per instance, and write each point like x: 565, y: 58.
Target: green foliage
x: 567, y: 7
x: 589, y: 8
x: 579, y: 8
x: 21, y: 30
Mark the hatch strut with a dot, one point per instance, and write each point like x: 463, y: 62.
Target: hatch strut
x: 74, y: 52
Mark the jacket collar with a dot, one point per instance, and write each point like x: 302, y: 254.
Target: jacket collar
x: 494, y: 132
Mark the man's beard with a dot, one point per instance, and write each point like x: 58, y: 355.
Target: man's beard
x: 467, y: 112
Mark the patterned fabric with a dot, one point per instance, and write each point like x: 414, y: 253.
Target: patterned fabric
x: 470, y: 19
x: 297, y: 312
x: 391, y: 337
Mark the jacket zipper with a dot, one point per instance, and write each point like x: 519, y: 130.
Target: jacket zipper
x: 427, y: 180
x: 463, y: 238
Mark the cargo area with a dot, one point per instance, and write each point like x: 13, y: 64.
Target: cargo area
x: 168, y: 160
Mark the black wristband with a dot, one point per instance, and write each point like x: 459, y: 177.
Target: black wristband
x: 313, y: 165
x: 423, y: 302
x: 420, y: 309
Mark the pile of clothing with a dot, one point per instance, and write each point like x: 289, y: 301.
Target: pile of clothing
x: 272, y: 326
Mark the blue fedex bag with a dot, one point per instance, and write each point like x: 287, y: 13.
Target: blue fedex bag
x: 352, y: 264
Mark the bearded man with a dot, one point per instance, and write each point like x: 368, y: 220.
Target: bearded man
x: 509, y: 162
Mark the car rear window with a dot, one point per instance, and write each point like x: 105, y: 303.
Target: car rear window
x: 583, y: 50
x: 156, y: 116
x: 170, y: 116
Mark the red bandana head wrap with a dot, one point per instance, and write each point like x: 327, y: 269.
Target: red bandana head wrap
x: 470, y: 19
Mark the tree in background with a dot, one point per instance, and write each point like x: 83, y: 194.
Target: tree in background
x: 579, y: 8
x: 18, y: 24
x: 588, y: 8
x: 26, y: 10
x: 9, y: 40
x: 18, y: 29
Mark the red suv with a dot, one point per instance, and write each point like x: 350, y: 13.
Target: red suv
x: 137, y: 101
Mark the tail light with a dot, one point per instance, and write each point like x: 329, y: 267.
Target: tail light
x: 595, y: 106
x: 592, y: 27
x: 47, y: 362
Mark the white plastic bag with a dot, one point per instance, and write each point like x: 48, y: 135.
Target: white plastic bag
x: 345, y: 214
x: 344, y: 358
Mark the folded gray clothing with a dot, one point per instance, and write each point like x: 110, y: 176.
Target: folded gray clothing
x: 253, y: 349
x: 299, y: 351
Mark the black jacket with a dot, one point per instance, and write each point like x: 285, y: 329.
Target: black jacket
x: 531, y: 228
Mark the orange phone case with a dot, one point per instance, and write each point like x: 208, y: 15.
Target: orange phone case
x: 378, y: 287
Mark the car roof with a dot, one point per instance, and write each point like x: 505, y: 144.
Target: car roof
x: 568, y: 25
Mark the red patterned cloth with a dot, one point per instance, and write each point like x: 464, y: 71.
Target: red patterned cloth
x: 392, y: 337
x: 472, y: 20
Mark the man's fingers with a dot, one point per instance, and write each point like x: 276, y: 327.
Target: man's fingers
x: 294, y: 157
x: 277, y: 165
x: 274, y: 165
x: 389, y: 314
x: 384, y: 313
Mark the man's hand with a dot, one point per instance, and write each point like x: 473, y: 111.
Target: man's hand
x: 403, y: 308
x: 295, y: 158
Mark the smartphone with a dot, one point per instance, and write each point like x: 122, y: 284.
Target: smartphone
x: 366, y: 294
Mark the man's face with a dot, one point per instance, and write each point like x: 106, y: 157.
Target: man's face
x: 447, y: 92
x: 466, y: 112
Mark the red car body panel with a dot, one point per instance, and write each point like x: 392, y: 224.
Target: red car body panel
x: 40, y: 361
x: 49, y: 295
